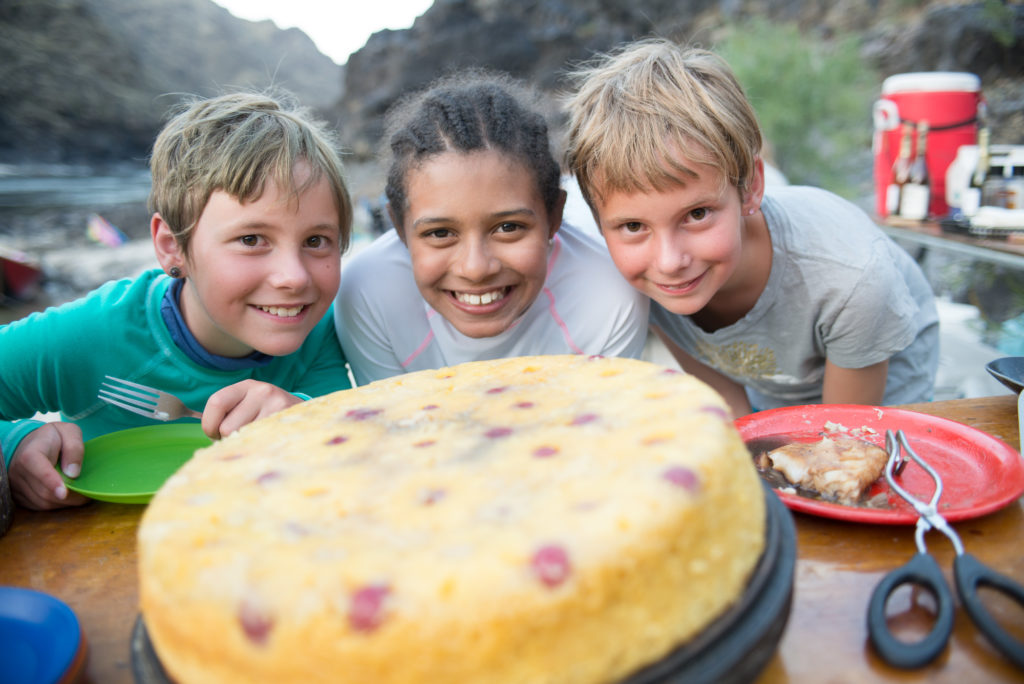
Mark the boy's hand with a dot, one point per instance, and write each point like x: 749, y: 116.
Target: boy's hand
x: 239, y: 404
x: 35, y: 483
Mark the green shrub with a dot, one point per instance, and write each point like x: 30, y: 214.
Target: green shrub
x: 813, y: 98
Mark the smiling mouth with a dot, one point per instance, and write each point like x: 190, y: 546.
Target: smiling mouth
x: 680, y: 287
x: 482, y: 298
x: 282, y: 311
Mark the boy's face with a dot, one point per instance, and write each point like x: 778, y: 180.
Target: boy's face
x: 261, y: 274
x: 680, y: 246
x: 477, y: 232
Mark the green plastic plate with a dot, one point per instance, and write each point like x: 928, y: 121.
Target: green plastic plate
x: 130, y: 465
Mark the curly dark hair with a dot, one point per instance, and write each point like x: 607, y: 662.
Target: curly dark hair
x: 465, y: 112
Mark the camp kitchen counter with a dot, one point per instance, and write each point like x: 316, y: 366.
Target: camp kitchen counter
x: 86, y: 557
x: 999, y: 250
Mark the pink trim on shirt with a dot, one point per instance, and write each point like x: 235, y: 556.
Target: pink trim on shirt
x: 556, y: 249
x: 558, y: 320
x: 423, y: 345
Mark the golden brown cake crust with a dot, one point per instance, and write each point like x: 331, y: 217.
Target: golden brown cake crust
x: 538, y: 519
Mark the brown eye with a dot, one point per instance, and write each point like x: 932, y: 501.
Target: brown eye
x: 699, y: 213
x: 249, y: 240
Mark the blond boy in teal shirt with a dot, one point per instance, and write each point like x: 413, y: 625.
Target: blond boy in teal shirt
x: 250, y: 217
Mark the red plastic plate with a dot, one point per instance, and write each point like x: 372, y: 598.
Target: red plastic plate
x: 980, y: 474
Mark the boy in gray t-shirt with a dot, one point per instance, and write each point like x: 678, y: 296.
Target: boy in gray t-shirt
x: 790, y: 298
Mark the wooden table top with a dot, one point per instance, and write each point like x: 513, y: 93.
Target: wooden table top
x: 86, y: 557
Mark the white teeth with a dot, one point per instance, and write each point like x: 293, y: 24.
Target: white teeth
x: 283, y: 311
x: 477, y: 300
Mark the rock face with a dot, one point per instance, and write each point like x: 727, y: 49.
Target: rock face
x: 90, y: 80
x: 537, y: 39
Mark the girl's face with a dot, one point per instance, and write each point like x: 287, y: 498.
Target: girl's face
x: 261, y: 274
x: 682, y: 246
x: 478, y: 236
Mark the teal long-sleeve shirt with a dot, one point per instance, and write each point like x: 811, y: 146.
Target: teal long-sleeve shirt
x: 55, y: 361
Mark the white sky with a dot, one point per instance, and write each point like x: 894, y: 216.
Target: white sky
x: 337, y: 28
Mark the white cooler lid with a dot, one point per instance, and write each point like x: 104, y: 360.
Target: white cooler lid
x: 931, y: 81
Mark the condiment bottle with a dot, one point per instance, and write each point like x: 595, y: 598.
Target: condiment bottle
x: 915, y: 193
x: 971, y: 198
x: 900, y: 172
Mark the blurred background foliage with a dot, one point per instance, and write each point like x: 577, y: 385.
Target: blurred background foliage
x: 813, y: 98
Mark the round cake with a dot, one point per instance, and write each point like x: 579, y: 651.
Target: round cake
x: 557, y: 519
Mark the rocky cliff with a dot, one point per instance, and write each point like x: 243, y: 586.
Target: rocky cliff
x: 90, y: 80
x: 537, y: 39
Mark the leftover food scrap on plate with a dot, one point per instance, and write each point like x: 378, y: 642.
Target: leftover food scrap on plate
x: 839, y: 469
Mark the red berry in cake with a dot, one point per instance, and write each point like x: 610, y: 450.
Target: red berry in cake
x: 295, y: 530
x: 524, y: 404
x: 254, y: 622
x: 340, y: 439
x: 551, y: 565
x: 268, y: 477
x: 363, y: 413
x: 495, y: 433
x: 431, y: 496
x: 682, y: 477
x: 496, y: 390
x: 584, y: 418
x: 716, y: 411
x: 366, y: 610
x: 545, y: 451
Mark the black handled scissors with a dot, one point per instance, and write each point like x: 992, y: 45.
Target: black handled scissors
x: 923, y: 571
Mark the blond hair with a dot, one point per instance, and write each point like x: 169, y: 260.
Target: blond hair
x: 643, y: 117
x: 234, y: 143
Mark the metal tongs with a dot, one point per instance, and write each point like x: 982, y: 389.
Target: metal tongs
x: 924, y: 571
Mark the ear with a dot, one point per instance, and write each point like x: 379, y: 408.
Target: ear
x: 755, y: 190
x: 168, y: 252
x: 555, y: 218
x: 399, y: 228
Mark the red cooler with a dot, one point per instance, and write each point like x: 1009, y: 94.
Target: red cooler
x: 948, y: 101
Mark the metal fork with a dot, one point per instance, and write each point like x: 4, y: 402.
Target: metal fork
x: 143, y: 400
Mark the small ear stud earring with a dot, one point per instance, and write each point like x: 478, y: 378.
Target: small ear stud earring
x: 751, y: 212
x: 174, y: 272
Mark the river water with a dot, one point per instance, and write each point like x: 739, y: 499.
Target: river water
x: 41, y: 206
x: 46, y: 186
x: 45, y: 211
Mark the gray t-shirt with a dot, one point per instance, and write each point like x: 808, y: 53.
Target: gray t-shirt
x: 839, y: 289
